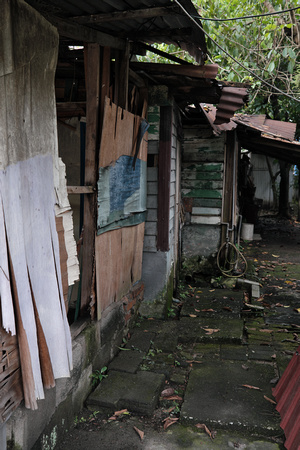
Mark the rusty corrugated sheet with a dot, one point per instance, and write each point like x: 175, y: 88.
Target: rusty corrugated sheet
x: 231, y: 100
x: 210, y: 113
x: 287, y: 394
x: 285, y: 130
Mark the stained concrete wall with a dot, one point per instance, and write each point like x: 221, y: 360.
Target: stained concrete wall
x: 93, y: 348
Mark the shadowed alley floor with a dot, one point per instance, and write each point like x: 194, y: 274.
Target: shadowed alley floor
x: 204, y: 378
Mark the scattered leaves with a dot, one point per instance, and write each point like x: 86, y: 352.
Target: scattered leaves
x: 208, y: 310
x: 169, y: 421
x: 174, y: 397
x: 139, y: 432
x: 248, y: 386
x: 270, y: 400
x: 202, y: 426
x: 119, y: 413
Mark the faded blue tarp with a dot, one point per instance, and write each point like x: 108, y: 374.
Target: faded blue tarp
x: 121, y: 194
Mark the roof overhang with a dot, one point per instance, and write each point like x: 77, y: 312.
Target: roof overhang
x: 115, y: 23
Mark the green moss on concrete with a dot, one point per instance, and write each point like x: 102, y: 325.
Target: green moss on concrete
x: 92, y: 346
x: 160, y: 306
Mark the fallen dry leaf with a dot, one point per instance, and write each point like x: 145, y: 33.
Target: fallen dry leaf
x: 248, y: 386
x: 227, y: 308
x: 297, y: 310
x: 208, y: 310
x: 192, y: 315
x: 169, y: 421
x: 139, y: 432
x: 167, y: 392
x: 245, y: 367
x: 211, y: 330
x: 174, y: 397
x: 276, y: 256
x: 265, y: 330
x: 270, y: 400
x: 119, y: 413
x: 202, y: 426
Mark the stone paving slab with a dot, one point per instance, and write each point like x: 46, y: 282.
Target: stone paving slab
x: 142, y: 397
x: 140, y: 340
x: 221, y: 303
x: 198, y: 329
x: 215, y: 395
x: 127, y: 361
x: 234, y: 352
x: 138, y: 392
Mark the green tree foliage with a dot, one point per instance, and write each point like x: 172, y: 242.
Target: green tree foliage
x: 267, y: 45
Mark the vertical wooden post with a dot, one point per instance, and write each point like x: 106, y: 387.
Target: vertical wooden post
x: 228, y: 182
x: 105, y: 81
x: 121, y: 78
x: 92, y: 70
x: 164, y: 172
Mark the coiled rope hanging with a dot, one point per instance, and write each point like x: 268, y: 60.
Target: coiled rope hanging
x: 232, y: 261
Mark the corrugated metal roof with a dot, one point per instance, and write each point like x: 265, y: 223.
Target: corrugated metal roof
x: 231, y: 100
x: 287, y: 394
x: 210, y: 113
x: 151, y: 21
x: 286, y: 130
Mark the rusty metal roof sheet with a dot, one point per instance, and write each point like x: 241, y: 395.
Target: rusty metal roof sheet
x: 231, y: 100
x: 210, y: 113
x: 285, y: 130
x: 150, y: 21
x: 287, y: 395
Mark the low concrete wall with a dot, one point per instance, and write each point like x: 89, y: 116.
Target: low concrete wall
x: 94, y: 346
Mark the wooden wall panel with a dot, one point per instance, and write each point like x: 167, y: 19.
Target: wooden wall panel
x: 118, y: 263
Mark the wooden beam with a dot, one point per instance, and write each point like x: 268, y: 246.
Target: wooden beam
x: 146, y: 13
x: 172, y: 34
x: 166, y: 55
x: 164, y: 174
x: 73, y: 30
x: 81, y: 190
x: 207, y: 71
x: 136, y: 79
x: 92, y: 65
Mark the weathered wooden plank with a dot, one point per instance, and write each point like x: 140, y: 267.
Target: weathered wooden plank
x: 202, y: 184
x: 152, y: 188
x: 152, y: 174
x: 195, y: 175
x: 203, y: 167
x: 203, y: 156
x: 202, y: 193
x: 206, y: 220
x: 207, y: 202
x: 150, y: 228
x: 81, y: 190
x: 152, y: 215
x: 198, y: 211
x: 152, y: 146
x: 133, y: 14
x: 195, y: 71
x: 92, y: 67
x: 152, y: 201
